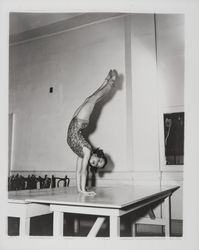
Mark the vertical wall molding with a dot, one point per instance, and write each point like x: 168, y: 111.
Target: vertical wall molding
x: 11, y: 137
x: 128, y: 72
x: 144, y: 92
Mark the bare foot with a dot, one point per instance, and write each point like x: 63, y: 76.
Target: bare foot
x: 108, y: 76
x: 112, y: 76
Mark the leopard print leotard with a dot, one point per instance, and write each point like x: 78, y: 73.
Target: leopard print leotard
x: 75, y: 139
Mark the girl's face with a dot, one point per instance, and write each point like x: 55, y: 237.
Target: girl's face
x: 94, y: 160
x: 101, y: 163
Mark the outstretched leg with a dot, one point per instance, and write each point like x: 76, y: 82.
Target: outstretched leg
x: 85, y: 110
x: 112, y: 75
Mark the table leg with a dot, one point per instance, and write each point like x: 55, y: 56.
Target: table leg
x: 114, y: 226
x: 58, y: 223
x: 76, y: 225
x: 96, y: 227
x: 167, y: 215
x: 24, y: 226
x: 133, y: 229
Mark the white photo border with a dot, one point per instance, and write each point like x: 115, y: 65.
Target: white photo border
x: 191, y: 203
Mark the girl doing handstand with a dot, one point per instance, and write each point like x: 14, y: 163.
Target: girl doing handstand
x: 86, y: 154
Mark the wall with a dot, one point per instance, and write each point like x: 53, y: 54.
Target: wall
x: 75, y: 63
x: 144, y: 95
x: 170, y: 55
x: 170, y: 75
x: 157, y: 73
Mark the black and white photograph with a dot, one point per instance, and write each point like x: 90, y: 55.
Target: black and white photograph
x: 96, y: 128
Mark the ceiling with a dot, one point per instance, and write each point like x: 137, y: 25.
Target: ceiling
x: 29, y: 25
x: 20, y: 22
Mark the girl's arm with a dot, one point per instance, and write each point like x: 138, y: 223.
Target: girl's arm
x: 84, y: 168
x: 78, y: 172
x: 84, y: 172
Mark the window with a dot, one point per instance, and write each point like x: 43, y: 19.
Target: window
x: 174, y: 138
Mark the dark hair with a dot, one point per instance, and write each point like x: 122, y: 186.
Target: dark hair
x: 99, y: 152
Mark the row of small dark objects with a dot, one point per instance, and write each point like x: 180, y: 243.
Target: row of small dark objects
x: 19, y: 182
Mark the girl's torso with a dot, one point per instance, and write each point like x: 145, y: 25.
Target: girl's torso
x: 75, y: 139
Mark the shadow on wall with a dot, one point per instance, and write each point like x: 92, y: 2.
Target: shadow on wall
x: 93, y: 126
x: 98, y: 108
x: 91, y: 180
